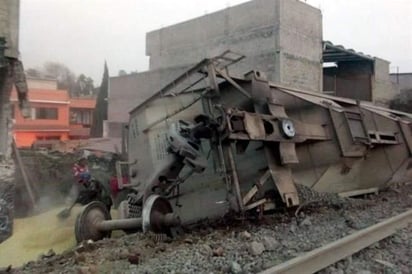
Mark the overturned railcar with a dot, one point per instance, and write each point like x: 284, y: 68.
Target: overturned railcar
x: 209, y: 144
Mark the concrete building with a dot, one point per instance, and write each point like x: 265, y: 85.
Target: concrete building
x: 53, y: 115
x: 356, y: 75
x: 280, y: 37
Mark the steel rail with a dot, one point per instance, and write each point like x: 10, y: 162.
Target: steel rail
x: 324, y: 256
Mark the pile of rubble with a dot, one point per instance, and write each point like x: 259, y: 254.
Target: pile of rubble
x: 6, y: 199
x: 250, y: 246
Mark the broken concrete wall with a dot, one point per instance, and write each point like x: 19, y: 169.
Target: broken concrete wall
x: 9, y: 31
x: 9, y: 26
x: 9, y: 34
x: 5, y: 114
x: 7, y: 166
x: 280, y: 37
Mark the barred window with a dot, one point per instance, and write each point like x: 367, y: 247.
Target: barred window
x: 80, y: 116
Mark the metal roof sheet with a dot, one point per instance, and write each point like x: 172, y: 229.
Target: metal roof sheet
x: 338, y: 53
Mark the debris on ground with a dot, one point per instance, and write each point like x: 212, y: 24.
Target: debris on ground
x: 227, y: 249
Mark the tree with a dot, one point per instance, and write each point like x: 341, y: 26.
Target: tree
x: 122, y: 72
x: 66, y: 79
x: 100, y: 112
x: 403, y: 101
x: 84, y: 85
x: 34, y: 72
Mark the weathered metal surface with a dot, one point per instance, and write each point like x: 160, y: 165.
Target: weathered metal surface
x: 406, y: 129
x: 94, y: 222
x: 287, y: 153
x: 86, y: 223
x: 158, y: 215
x: 282, y: 137
x: 234, y: 178
x: 244, y: 125
x: 258, y: 185
x: 329, y: 133
x: 282, y: 177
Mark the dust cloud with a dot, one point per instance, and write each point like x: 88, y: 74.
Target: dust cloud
x: 38, y: 234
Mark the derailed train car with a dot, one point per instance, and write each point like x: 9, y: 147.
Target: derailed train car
x: 209, y: 144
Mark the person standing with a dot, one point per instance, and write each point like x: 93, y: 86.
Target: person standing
x: 82, y: 179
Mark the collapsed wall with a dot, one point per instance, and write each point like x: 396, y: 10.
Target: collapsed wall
x: 11, y: 72
x: 9, y: 23
x: 6, y: 163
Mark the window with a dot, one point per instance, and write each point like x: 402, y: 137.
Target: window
x: 45, y: 113
x: 80, y: 116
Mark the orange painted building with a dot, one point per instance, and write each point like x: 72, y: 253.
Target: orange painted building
x: 54, y: 116
x: 81, y: 117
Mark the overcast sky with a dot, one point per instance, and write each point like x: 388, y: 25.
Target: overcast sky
x: 83, y: 33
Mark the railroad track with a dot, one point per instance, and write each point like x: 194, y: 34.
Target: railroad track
x: 324, y: 256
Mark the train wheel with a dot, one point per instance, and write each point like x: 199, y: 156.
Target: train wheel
x: 85, y: 227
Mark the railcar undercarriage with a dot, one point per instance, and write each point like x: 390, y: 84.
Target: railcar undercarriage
x: 209, y: 144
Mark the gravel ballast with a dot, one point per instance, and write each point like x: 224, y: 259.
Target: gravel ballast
x: 252, y: 246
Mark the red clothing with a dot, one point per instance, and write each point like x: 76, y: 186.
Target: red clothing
x: 114, y: 184
x: 78, y: 170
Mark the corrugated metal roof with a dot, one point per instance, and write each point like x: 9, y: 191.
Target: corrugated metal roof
x: 338, y: 53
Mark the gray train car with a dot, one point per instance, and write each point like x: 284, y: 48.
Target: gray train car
x: 210, y: 144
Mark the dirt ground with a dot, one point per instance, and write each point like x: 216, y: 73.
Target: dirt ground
x: 249, y: 246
